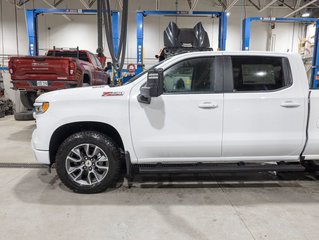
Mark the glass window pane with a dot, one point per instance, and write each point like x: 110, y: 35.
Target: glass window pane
x: 193, y: 75
x: 72, y: 54
x: 258, y: 73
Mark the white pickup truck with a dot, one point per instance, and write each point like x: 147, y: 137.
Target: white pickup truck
x: 197, y: 112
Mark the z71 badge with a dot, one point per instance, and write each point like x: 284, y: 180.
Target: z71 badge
x: 110, y: 94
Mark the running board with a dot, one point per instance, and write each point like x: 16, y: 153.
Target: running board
x: 216, y: 168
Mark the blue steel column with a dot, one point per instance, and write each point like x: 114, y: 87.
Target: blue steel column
x: 139, y: 40
x: 32, y: 29
x: 315, y: 60
x: 222, y: 35
x: 115, y: 30
x: 32, y: 24
x: 246, y: 34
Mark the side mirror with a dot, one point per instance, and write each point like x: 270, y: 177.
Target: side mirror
x: 153, y: 87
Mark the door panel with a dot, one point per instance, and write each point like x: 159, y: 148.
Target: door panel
x: 101, y: 74
x: 260, y: 126
x: 264, y: 115
x: 185, y: 123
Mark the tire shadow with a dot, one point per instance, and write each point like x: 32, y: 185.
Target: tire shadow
x: 40, y: 187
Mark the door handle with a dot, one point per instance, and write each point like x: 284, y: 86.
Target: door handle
x: 207, y: 105
x: 290, y: 104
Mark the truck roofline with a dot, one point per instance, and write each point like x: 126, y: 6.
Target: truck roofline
x: 248, y: 53
x: 67, y: 50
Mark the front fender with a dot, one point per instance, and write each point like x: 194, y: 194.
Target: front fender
x: 85, y: 105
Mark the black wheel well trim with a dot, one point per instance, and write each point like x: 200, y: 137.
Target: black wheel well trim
x: 66, y: 130
x: 128, y: 165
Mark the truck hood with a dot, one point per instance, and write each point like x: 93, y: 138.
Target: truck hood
x: 87, y: 93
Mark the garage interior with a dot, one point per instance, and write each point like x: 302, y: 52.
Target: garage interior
x: 34, y: 202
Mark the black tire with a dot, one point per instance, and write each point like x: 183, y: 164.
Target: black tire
x: 28, y: 99
x: 23, y: 116
x: 86, y: 80
x: 103, y: 142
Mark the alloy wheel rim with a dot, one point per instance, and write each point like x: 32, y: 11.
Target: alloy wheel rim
x: 87, y: 164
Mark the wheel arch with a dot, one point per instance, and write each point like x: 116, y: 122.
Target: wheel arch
x: 64, y: 131
x: 87, y: 78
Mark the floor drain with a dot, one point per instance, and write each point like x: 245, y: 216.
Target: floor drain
x: 22, y: 165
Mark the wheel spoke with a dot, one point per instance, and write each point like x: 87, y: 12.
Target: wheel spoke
x: 100, y: 163
x: 77, y: 152
x: 94, y: 153
x: 73, y: 159
x: 79, y: 175
x: 87, y: 149
x: 96, y: 150
x: 97, y: 176
x: 102, y: 159
x: 89, y: 178
x: 102, y: 167
x: 73, y: 169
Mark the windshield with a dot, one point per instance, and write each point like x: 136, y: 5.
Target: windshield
x: 144, y: 72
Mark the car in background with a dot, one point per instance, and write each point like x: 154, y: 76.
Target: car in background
x: 58, y: 69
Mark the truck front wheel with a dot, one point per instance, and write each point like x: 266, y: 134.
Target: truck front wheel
x: 88, y: 162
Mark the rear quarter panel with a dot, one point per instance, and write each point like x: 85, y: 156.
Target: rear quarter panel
x: 312, y: 149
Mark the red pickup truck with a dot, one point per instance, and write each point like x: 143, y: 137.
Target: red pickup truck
x: 58, y: 69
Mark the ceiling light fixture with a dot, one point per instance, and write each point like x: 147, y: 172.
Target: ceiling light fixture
x: 306, y: 14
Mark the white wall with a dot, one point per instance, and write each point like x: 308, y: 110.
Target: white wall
x: 81, y: 30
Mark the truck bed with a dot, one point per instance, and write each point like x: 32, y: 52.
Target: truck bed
x: 44, y: 72
x: 48, y: 68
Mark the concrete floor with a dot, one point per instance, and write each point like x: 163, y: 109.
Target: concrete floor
x: 15, y: 141
x: 35, y: 205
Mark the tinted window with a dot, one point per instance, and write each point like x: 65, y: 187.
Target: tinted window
x: 73, y: 54
x: 93, y: 60
x: 259, y: 73
x: 190, y: 75
x: 98, y: 63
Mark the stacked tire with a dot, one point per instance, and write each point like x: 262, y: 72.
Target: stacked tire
x: 2, y: 109
x: 6, y: 107
x: 23, y: 116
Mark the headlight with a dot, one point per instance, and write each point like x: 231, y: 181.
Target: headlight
x: 41, y: 107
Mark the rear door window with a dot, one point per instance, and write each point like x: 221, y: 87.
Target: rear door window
x: 260, y: 73
x: 73, y: 54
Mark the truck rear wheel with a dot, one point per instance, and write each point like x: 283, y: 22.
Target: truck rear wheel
x: 86, y: 80
x: 88, y: 162
x: 28, y: 99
